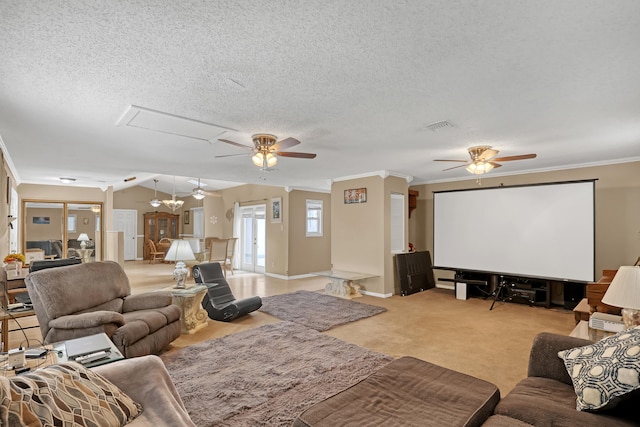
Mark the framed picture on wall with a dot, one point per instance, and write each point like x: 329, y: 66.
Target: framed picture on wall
x: 41, y: 220
x: 276, y: 209
x: 186, y: 217
x: 355, y: 195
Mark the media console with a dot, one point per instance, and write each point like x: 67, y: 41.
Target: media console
x: 519, y: 289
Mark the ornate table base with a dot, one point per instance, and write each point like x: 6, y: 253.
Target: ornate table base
x: 194, y: 317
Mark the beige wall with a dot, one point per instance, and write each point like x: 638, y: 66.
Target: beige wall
x: 361, y: 231
x: 308, y: 254
x: 617, y: 210
x: 288, y: 251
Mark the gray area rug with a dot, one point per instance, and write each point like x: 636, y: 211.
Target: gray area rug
x: 317, y: 311
x: 265, y: 376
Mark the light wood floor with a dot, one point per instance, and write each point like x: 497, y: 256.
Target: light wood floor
x: 431, y: 325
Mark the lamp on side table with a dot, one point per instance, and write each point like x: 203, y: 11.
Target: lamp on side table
x: 180, y: 251
x: 624, y: 291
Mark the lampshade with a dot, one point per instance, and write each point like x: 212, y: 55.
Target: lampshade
x: 83, y: 237
x: 624, y: 292
x: 180, y: 250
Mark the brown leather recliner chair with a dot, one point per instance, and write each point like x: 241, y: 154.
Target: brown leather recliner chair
x: 86, y: 299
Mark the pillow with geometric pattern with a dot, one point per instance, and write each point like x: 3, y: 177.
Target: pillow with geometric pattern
x: 64, y: 394
x: 606, y: 372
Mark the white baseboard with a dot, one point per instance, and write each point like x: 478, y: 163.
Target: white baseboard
x: 451, y: 287
x: 283, y: 277
x: 375, y: 294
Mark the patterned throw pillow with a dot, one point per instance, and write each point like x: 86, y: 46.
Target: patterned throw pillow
x: 605, y: 372
x: 64, y: 395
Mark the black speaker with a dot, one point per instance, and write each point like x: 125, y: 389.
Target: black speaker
x: 414, y: 272
x: 573, y: 294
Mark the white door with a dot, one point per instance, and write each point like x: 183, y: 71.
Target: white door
x: 253, y: 238
x: 126, y: 220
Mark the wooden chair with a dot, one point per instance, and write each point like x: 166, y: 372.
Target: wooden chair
x: 154, y: 254
x: 218, y: 253
x: 231, y: 251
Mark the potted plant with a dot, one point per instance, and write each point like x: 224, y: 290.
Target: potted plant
x: 14, y: 261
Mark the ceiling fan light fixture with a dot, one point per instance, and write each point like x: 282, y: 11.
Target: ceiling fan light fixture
x: 272, y: 160
x: 198, y: 193
x: 258, y: 159
x: 479, y: 167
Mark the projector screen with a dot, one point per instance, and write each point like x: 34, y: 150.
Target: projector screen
x: 542, y: 231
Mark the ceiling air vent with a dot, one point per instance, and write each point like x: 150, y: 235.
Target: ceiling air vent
x: 439, y: 125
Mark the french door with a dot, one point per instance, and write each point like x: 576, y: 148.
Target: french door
x: 126, y: 220
x: 253, y: 237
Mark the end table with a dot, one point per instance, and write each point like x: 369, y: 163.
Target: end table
x: 194, y: 317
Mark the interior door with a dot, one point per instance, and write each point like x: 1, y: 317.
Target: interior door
x: 253, y: 238
x: 126, y: 221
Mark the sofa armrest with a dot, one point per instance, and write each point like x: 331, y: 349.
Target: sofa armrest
x: 87, y: 320
x: 146, y: 301
x: 146, y: 380
x: 544, y: 361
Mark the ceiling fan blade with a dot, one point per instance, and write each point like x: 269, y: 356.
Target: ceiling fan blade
x: 495, y: 165
x: 448, y: 160
x: 284, y: 144
x: 231, y: 155
x: 520, y: 157
x: 455, y: 167
x: 236, y: 144
x: 488, y: 154
x: 297, y: 155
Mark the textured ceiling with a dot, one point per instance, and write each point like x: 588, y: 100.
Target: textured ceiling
x: 357, y: 82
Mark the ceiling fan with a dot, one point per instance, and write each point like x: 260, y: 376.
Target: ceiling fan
x: 483, y: 159
x: 267, y: 149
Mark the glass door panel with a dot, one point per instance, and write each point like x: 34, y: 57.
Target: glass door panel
x: 253, y: 240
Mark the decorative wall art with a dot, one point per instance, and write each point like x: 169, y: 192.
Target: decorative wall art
x: 276, y: 209
x: 355, y: 195
x: 41, y: 220
x: 186, y: 217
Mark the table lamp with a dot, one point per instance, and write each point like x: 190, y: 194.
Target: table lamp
x: 180, y: 251
x: 83, y: 239
x: 624, y: 292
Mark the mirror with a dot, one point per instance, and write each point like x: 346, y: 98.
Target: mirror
x: 53, y: 230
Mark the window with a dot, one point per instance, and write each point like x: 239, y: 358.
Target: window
x: 397, y: 223
x: 72, y: 220
x: 314, y: 218
x: 197, y: 215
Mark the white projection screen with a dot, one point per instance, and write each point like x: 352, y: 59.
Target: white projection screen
x: 541, y: 231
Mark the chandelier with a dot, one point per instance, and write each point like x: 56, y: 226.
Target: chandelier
x: 155, y: 202
x: 198, y: 193
x: 173, y: 204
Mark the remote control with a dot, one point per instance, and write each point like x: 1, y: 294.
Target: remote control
x: 92, y: 357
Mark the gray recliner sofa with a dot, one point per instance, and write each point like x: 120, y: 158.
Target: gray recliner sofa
x: 86, y: 299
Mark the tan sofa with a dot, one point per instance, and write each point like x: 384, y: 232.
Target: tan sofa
x: 86, y: 299
x: 146, y: 380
